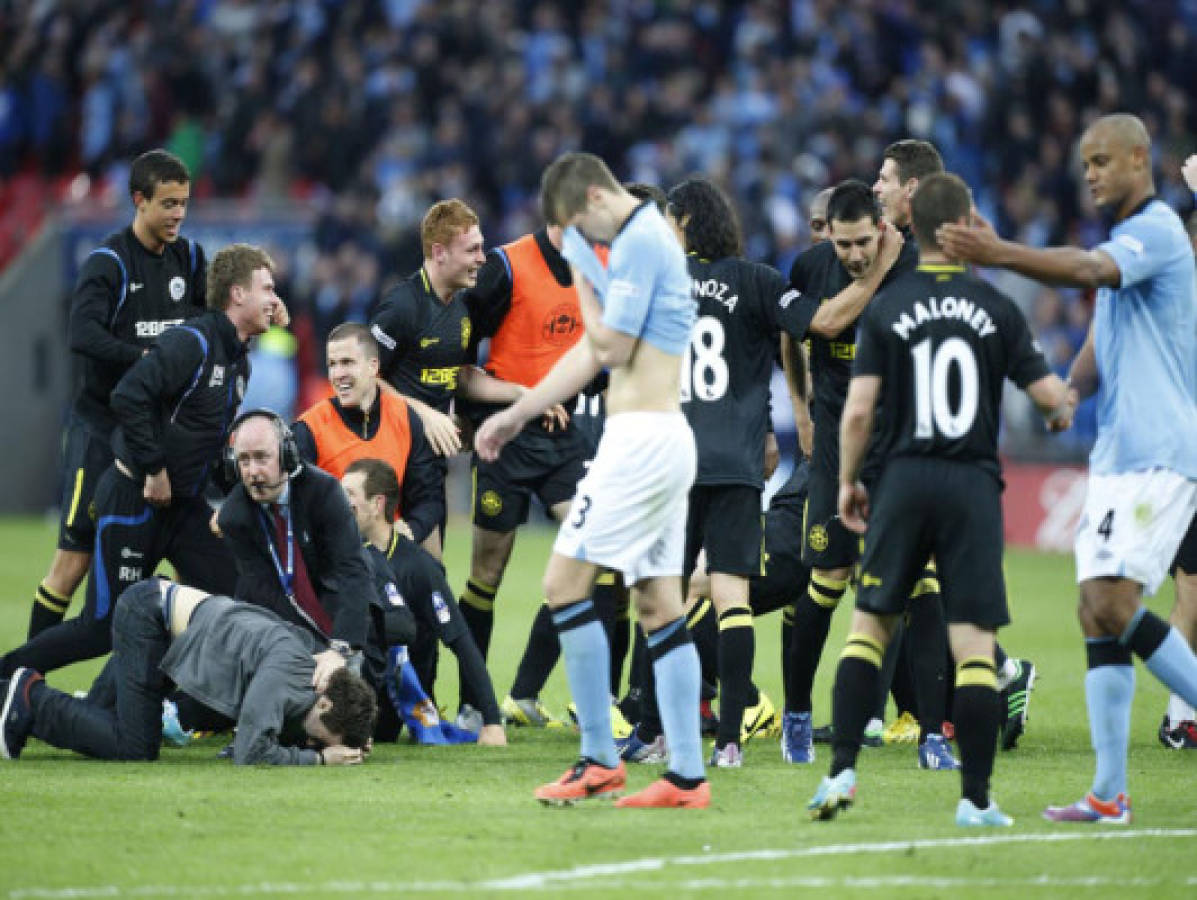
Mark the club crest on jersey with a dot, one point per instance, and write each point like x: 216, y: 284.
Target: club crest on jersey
x: 465, y: 332
x: 560, y: 325
x: 441, y: 607
x: 177, y: 287
x: 393, y: 596
x: 217, y: 378
x: 818, y: 538
x: 492, y: 503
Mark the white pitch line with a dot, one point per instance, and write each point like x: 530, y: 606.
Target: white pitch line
x: 541, y: 880
x: 889, y: 882
x: 577, y: 876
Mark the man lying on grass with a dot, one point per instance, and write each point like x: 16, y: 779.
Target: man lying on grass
x: 240, y: 660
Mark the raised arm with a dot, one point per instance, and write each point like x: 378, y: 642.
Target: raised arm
x: 836, y: 314
x: 978, y: 243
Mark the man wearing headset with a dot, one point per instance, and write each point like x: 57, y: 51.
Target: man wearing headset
x: 172, y: 410
x: 295, y: 540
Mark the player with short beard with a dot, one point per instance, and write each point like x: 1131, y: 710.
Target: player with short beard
x: 836, y: 280
x: 937, y: 344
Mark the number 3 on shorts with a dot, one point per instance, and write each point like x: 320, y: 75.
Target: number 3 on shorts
x: 583, y: 508
x: 1107, y: 525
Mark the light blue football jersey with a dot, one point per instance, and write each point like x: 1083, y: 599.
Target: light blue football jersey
x: 1146, y: 343
x: 645, y: 289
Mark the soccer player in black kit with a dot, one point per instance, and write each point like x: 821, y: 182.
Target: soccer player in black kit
x: 423, y: 331
x: 136, y: 284
x: 904, y: 164
x: 934, y: 348
x: 743, y: 307
x: 836, y: 279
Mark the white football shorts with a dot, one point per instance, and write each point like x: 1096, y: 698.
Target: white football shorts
x: 629, y: 511
x: 1133, y: 524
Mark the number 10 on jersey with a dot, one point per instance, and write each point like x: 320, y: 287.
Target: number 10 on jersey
x: 704, y: 371
x: 932, y: 398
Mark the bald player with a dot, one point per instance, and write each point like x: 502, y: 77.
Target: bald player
x: 1140, y: 358
x: 817, y: 218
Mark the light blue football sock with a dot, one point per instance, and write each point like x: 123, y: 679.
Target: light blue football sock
x: 1109, y: 691
x: 679, y: 686
x: 1175, y: 664
x: 587, y: 666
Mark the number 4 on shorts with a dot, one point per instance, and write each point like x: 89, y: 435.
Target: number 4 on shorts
x: 1107, y: 524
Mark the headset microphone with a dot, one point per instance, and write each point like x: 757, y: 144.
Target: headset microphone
x: 269, y: 485
x: 288, y: 450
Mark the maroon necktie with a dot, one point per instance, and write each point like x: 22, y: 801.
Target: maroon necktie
x: 302, y: 592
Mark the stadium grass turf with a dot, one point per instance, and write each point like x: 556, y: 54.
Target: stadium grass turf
x: 462, y: 820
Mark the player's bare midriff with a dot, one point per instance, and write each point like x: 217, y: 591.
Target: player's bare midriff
x: 648, y: 382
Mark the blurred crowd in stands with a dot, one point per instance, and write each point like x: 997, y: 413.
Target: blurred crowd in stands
x: 366, y: 111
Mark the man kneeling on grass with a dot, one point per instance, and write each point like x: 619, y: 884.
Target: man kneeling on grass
x: 240, y: 660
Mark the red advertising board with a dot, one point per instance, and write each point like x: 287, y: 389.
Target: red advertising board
x: 1042, y: 505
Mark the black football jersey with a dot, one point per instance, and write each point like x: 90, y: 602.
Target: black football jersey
x: 943, y: 341
x: 422, y: 341
x: 742, y: 309
x: 818, y: 275
x: 124, y: 299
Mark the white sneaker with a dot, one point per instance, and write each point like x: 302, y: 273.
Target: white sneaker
x: 469, y: 718
x: 729, y: 757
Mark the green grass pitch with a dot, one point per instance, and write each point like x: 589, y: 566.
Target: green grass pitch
x: 462, y: 820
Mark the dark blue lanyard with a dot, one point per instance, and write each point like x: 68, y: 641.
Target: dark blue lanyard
x: 285, y: 577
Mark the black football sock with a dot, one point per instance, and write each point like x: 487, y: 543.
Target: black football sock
x: 703, y: 623
x: 999, y: 657
x: 49, y: 609
x: 977, y: 717
x: 621, y: 638
x: 477, y: 604
x: 632, y: 702
x: 787, y: 637
x: 852, y: 698
x: 928, y: 653
x: 648, y: 725
x: 686, y: 784
x: 605, y: 597
x: 541, y: 653
x: 812, y: 621
x: 737, y: 645
x: 895, y: 675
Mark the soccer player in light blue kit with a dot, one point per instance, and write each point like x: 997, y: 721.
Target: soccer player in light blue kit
x: 629, y: 512
x: 1141, y: 359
